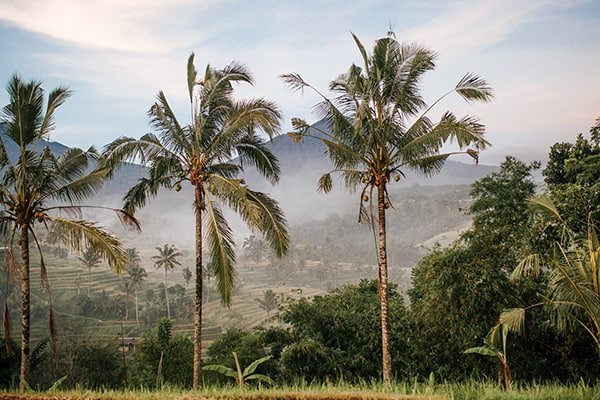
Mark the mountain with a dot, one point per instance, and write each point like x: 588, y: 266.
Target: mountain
x: 169, y: 218
x: 304, y: 162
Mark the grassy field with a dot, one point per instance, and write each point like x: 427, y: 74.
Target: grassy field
x: 464, y: 391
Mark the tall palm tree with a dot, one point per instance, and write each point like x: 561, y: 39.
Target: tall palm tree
x: 202, y: 154
x: 90, y: 259
x: 379, y: 127
x: 136, y: 275
x: 34, y: 188
x: 167, y: 259
x: 129, y: 285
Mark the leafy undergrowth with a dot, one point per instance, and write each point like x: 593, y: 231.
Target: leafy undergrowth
x: 460, y: 391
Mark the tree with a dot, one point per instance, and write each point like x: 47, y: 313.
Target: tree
x: 90, y: 259
x: 459, y: 291
x: 202, y: 154
x: 380, y: 128
x: 134, y: 279
x: 333, y: 336
x: 162, y: 358
x: 255, y: 249
x: 187, y: 275
x: 34, y: 186
x: 136, y: 275
x: 167, y: 259
x: 268, y: 302
x: 573, y: 178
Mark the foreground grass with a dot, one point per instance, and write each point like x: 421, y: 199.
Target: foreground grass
x: 400, y: 391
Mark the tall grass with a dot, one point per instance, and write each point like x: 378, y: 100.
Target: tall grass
x: 472, y: 390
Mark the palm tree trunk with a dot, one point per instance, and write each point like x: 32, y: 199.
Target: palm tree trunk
x: 199, y: 205
x: 89, y: 280
x: 207, y: 288
x: 25, y: 309
x: 127, y: 305
x: 137, y: 314
x: 167, y: 295
x: 383, y: 285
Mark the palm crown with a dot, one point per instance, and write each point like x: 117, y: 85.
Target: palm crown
x: 167, y: 257
x: 203, y: 153
x: 379, y: 122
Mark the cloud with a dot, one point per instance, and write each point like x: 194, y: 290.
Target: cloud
x: 136, y: 26
x: 467, y: 25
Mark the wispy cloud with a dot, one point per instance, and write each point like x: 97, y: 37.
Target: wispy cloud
x: 467, y: 25
x: 131, y: 26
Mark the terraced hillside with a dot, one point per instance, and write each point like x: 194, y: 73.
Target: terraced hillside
x: 68, y: 279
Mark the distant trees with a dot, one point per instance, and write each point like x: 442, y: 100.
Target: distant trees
x: 201, y: 154
x: 167, y: 259
x: 40, y: 189
x: 380, y: 128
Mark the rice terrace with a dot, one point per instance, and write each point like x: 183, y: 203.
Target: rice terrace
x: 319, y: 200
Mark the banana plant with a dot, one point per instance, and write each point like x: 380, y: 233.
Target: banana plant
x: 241, y: 377
x: 495, y: 344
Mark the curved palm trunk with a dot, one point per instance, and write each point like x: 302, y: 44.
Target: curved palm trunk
x: 25, y: 309
x: 167, y: 295
x: 198, y: 204
x: 383, y: 285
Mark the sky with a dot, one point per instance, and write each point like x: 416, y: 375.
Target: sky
x: 540, y: 56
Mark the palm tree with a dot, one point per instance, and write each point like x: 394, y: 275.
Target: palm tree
x: 187, y: 275
x: 167, y: 259
x: 136, y: 275
x: 573, y: 269
x: 202, y: 154
x: 268, y: 302
x: 379, y: 128
x: 34, y: 188
x: 90, y: 259
x: 133, y: 258
x: 134, y: 280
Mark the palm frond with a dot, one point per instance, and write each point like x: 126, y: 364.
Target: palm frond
x: 79, y: 235
x: 253, y: 151
x: 56, y: 98
x: 325, y: 184
x: 513, y: 319
x: 472, y: 87
x: 221, y: 248
x: 191, y: 76
x: 530, y: 265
